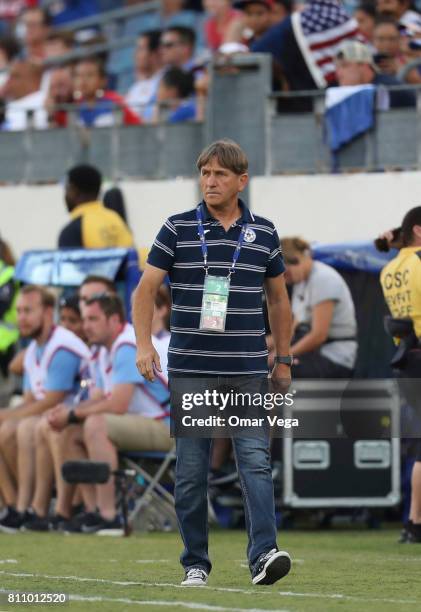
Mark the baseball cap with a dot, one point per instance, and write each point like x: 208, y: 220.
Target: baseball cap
x: 241, y: 4
x: 355, y: 51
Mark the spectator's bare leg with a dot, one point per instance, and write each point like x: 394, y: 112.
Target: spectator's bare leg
x: 415, y: 512
x: 44, y: 469
x: 100, y: 448
x: 8, y: 451
x: 26, y: 461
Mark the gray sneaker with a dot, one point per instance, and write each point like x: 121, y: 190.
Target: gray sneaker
x: 195, y: 577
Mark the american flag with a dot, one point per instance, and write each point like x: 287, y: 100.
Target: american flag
x: 320, y: 29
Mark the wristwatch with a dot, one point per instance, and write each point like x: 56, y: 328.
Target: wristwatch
x: 285, y: 359
x: 72, y: 418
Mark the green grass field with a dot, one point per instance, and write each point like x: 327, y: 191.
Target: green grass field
x: 337, y: 570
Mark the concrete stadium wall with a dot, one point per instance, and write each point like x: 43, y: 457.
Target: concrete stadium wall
x: 335, y: 208
x: 323, y: 208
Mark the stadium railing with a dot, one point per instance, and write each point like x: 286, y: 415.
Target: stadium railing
x: 120, y: 14
x: 240, y: 106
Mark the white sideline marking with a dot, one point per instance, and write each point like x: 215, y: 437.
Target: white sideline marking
x: 216, y: 589
x: 172, y: 604
x: 142, y: 602
x: 4, y: 561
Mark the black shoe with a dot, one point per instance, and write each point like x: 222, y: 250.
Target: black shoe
x: 414, y: 534
x: 271, y: 566
x: 57, y: 522
x: 404, y: 535
x: 74, y: 525
x: 103, y: 527
x: 34, y: 522
x: 12, y: 521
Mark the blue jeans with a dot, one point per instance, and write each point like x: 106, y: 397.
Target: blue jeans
x: 252, y: 457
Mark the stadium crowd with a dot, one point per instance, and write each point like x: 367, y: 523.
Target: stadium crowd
x: 162, y: 72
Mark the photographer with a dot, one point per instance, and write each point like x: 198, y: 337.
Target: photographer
x: 324, y: 344
x: 401, y: 284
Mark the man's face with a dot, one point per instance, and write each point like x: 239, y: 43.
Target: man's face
x: 4, y: 60
x: 70, y: 196
x: 35, y: 29
x: 295, y: 272
x: 365, y: 23
x: 218, y: 184
x: 70, y: 319
x: 173, y: 50
x: 142, y: 55
x: 348, y: 73
x: 89, y: 290
x: 87, y: 79
x: 20, y: 82
x: 61, y: 85
x: 389, y: 7
x: 167, y: 94
x: 31, y: 315
x: 56, y: 47
x: 386, y: 39
x: 257, y: 17
x: 96, y: 326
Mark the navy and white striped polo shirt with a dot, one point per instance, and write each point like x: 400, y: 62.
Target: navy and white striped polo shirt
x: 241, y: 348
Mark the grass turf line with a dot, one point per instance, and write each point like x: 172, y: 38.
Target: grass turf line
x: 367, y: 568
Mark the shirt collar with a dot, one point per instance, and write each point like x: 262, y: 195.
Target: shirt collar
x: 246, y: 217
x: 79, y: 210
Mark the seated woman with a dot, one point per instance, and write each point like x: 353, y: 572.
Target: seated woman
x: 324, y: 344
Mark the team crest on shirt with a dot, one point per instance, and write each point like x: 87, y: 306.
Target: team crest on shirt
x: 250, y: 235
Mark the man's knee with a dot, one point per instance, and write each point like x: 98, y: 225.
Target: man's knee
x: 94, y: 428
x: 8, y: 432
x: 26, y: 430
x: 42, y: 429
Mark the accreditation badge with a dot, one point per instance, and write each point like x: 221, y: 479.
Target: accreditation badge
x: 214, y: 303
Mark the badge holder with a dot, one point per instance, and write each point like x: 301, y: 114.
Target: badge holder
x: 214, y: 303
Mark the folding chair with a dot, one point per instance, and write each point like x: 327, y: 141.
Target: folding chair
x: 153, y: 507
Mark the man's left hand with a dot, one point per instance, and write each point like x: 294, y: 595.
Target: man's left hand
x: 58, y: 417
x: 281, y: 377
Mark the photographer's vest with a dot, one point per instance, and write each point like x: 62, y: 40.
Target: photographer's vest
x: 401, y: 284
x: 9, y: 332
x: 37, y: 370
x: 150, y: 399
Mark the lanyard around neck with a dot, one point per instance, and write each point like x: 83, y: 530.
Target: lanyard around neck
x: 205, y: 246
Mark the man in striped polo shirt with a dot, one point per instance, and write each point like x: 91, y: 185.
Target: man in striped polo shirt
x: 220, y: 258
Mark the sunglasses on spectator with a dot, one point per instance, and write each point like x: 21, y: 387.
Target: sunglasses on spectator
x: 96, y: 296
x: 169, y: 44
x: 102, y: 298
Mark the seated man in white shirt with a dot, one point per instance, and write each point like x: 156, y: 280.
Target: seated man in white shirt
x: 25, y: 100
x: 148, y: 66
x: 126, y: 412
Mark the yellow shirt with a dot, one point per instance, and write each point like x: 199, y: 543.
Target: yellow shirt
x: 401, y: 284
x: 102, y: 228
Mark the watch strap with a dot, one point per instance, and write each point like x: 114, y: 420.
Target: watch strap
x: 284, y: 359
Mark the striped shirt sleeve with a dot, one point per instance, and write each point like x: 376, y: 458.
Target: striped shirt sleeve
x: 162, y: 253
x: 275, y: 265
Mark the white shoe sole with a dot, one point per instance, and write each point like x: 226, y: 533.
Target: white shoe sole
x: 9, y: 530
x: 193, y: 584
x: 114, y: 533
x: 275, y: 568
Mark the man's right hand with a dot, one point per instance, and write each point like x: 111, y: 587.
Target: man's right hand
x: 147, y: 360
